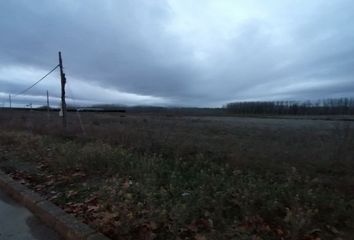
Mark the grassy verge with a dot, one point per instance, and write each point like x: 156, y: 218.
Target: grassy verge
x: 135, y: 195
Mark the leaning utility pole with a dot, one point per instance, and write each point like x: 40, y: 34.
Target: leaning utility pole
x: 63, y: 81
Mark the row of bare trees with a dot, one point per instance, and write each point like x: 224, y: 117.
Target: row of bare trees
x: 322, y: 107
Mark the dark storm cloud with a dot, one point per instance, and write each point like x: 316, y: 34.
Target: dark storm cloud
x: 180, y: 53
x: 106, y: 42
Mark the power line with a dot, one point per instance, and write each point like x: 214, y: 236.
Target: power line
x: 22, y: 92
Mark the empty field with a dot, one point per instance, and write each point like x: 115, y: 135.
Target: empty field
x: 178, y: 176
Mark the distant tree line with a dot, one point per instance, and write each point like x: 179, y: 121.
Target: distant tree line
x: 322, y: 107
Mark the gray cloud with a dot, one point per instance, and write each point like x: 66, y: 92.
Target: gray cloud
x: 203, y: 53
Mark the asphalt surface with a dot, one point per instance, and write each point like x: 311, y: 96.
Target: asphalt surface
x: 18, y: 223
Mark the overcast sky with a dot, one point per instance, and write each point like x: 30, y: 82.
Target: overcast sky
x: 178, y: 52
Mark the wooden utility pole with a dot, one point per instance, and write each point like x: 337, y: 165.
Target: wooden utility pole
x: 10, y: 100
x: 63, y: 82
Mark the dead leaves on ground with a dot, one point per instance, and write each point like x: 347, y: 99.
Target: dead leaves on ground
x: 126, y: 218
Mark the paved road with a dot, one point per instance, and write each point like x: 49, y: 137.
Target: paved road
x: 18, y: 223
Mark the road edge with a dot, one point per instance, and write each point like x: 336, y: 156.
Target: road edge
x: 53, y: 216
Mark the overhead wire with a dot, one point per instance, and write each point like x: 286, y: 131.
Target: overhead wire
x: 41, y: 79
x: 34, y: 84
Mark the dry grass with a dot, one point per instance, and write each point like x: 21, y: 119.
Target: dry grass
x: 168, y: 177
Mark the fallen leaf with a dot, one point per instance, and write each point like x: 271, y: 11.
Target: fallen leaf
x: 200, y: 237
